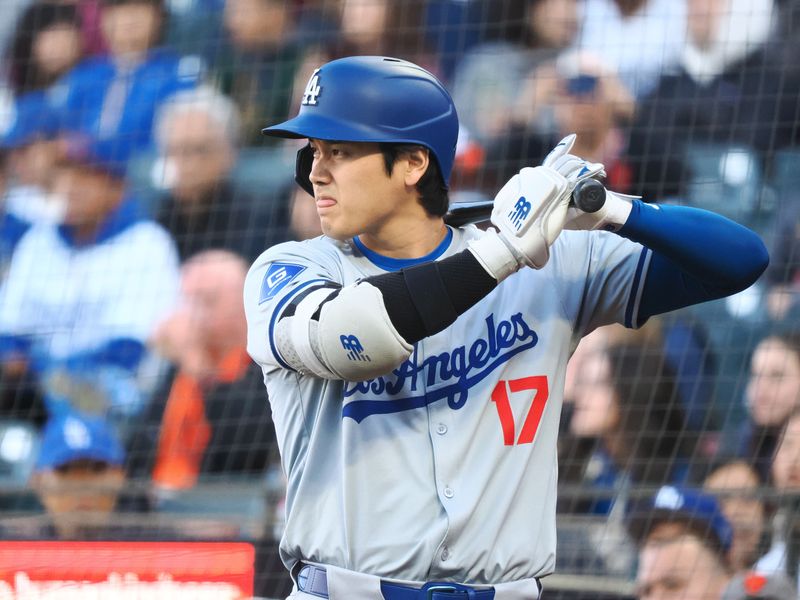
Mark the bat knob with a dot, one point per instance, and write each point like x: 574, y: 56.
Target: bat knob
x: 589, y: 195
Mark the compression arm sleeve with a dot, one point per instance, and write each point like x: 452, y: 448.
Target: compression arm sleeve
x: 425, y: 299
x: 697, y: 256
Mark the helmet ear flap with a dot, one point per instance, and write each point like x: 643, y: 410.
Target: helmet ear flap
x: 302, y: 168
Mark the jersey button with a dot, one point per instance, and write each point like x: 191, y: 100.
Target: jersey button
x: 445, y: 554
x: 441, y: 429
x: 448, y: 492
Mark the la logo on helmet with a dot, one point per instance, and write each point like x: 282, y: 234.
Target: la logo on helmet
x: 312, y: 90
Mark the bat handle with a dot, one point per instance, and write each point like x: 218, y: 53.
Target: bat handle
x: 589, y: 195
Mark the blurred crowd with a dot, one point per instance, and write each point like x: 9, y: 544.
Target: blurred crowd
x: 136, y: 189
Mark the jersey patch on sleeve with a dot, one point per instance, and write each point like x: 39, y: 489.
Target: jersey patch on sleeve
x: 276, y: 278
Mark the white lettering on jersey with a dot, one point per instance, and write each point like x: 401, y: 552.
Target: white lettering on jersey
x: 313, y: 90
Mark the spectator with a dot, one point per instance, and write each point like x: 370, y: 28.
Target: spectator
x: 30, y: 140
x: 784, y: 555
x: 79, y: 476
x: 213, y: 416
x: 639, y: 39
x: 683, y: 541
x: 625, y: 400
x: 737, y: 485
x: 783, y: 274
x: 115, y: 97
x: 772, y: 394
x: 581, y: 95
x: 47, y: 44
x: 81, y: 298
x: 731, y: 88
x: 198, y: 134
x: 256, y: 62
x: 687, y: 353
x: 490, y: 78
x: 381, y: 27
x: 452, y: 27
x: 89, y: 15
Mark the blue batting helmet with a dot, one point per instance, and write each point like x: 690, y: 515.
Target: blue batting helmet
x: 373, y: 99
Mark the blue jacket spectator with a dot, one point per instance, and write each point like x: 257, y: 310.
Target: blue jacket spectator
x: 731, y: 88
x: 116, y: 96
x: 81, y: 298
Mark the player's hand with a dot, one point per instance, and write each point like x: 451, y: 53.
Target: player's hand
x: 614, y: 212
x: 529, y: 213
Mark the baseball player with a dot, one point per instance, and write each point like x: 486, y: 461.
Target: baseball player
x: 415, y: 370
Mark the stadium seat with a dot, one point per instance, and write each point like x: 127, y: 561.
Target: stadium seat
x: 726, y: 179
x: 785, y: 178
x: 19, y: 446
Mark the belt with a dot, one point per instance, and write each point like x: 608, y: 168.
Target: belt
x: 313, y: 580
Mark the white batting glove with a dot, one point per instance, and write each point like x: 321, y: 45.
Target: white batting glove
x: 615, y: 210
x: 529, y: 213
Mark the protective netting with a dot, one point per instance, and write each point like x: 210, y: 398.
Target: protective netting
x: 137, y: 190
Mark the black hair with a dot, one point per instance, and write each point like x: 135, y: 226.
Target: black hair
x: 24, y: 74
x: 432, y: 190
x: 652, y: 422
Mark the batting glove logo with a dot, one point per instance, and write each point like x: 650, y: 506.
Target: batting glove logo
x: 355, y: 351
x: 520, y: 212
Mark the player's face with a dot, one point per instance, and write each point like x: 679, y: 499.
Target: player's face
x: 353, y: 193
x: 773, y: 390
x: 680, y: 569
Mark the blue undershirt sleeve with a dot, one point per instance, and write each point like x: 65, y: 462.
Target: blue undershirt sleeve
x: 697, y: 256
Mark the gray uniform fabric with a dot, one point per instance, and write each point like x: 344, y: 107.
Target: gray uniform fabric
x: 444, y: 469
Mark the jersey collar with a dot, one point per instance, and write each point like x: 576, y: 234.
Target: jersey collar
x: 395, y: 264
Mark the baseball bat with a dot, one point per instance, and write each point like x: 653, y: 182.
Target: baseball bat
x: 589, y: 196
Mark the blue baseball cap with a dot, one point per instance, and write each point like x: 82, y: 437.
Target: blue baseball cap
x: 110, y: 155
x: 30, y: 118
x: 72, y: 436
x: 697, y: 510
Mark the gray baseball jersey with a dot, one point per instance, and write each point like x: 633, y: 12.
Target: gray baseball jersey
x: 444, y: 468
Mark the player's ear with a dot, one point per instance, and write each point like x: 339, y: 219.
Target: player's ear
x: 417, y: 161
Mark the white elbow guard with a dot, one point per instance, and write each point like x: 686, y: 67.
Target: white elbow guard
x: 354, y: 339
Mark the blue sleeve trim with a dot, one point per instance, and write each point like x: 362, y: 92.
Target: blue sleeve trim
x: 636, y: 290
x: 276, y: 313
